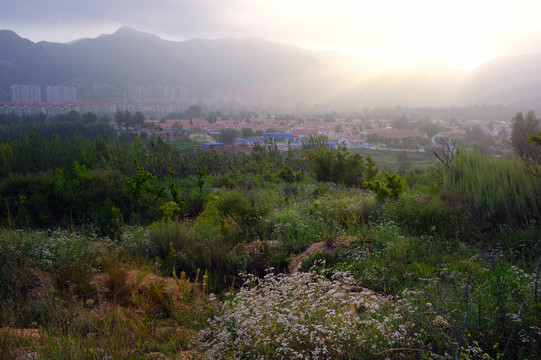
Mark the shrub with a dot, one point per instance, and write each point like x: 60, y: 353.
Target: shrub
x: 234, y: 204
x: 392, y: 189
x: 167, y: 236
x: 424, y: 216
x: 286, y: 174
x: 296, y: 231
x: 343, y: 209
x: 339, y: 166
x: 180, y: 247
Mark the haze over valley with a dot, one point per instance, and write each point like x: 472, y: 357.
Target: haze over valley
x: 270, y: 179
x: 270, y: 73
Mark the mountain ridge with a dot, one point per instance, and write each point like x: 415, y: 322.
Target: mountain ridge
x: 283, y: 74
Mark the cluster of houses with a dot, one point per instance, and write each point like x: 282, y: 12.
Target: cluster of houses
x: 291, y: 133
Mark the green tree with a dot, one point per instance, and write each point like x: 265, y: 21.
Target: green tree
x: 194, y: 111
x: 478, y: 140
x: 228, y: 136
x: 373, y: 139
x: 212, y: 117
x: 339, y: 166
x: 123, y: 118
x: 6, y: 158
x: 430, y: 128
x: 73, y: 116
x: 89, y: 117
x: 536, y: 140
x: 533, y: 161
x: 138, y: 119
x: 247, y: 132
x: 522, y: 126
x: 401, y: 123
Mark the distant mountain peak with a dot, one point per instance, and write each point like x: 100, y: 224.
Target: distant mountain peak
x: 126, y: 30
x: 10, y: 35
x: 277, y: 72
x: 5, y: 32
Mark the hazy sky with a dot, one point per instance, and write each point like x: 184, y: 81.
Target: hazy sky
x: 463, y: 32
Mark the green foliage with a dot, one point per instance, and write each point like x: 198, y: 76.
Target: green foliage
x: 392, y: 189
x: 288, y: 175
x: 295, y: 230
x: 183, y: 248
x: 223, y: 214
x: 127, y: 119
x: 6, y: 159
x: 247, y: 132
x: 339, y: 166
x: 522, y: 126
x: 371, y: 169
x: 444, y: 281
x: 317, y: 261
x: 532, y: 158
x: 145, y: 193
x: 169, y: 211
x: 425, y: 216
x: 235, y: 205
x: 74, y: 195
x: 535, y: 139
x: 497, y: 190
x: 314, y: 144
x: 430, y: 128
x: 228, y: 136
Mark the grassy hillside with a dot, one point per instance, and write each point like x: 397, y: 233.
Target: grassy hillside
x: 142, y: 252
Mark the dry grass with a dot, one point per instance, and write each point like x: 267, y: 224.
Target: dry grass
x: 136, y: 315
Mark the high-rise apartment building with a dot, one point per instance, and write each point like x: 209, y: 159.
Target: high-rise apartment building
x: 61, y: 93
x: 25, y: 93
x: 147, y: 92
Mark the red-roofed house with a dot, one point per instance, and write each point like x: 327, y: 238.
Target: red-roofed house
x: 391, y: 132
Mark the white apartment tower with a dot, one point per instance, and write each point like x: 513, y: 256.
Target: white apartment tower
x: 25, y: 93
x: 61, y: 94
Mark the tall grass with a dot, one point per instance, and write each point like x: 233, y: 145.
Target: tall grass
x: 498, y: 190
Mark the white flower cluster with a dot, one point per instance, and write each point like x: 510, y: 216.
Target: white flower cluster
x: 302, y: 315
x: 135, y: 241
x: 48, y: 249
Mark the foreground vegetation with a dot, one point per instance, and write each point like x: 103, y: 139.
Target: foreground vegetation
x: 135, y: 250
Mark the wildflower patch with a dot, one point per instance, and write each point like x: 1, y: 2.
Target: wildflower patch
x: 302, y: 315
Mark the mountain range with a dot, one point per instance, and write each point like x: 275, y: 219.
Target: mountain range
x: 102, y: 68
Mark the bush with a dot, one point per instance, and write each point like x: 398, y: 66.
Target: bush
x: 339, y: 166
x: 344, y: 210
x: 180, y: 247
x: 235, y: 205
x: 296, y: 231
x: 392, y: 189
x: 167, y: 237
x: 424, y: 216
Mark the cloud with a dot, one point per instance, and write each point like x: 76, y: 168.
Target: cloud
x: 397, y: 28
x: 182, y: 19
